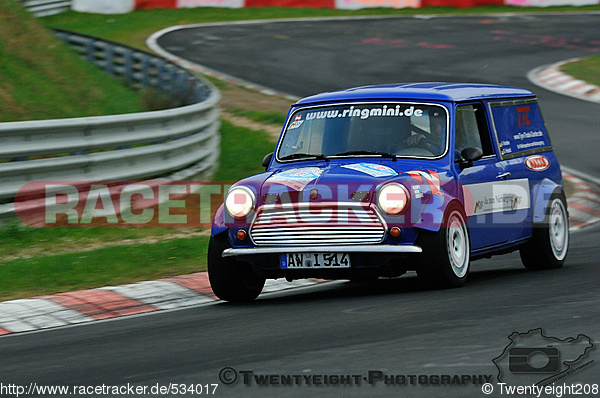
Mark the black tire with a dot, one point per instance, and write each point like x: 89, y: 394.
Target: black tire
x: 549, y: 243
x: 231, y: 279
x: 446, y: 256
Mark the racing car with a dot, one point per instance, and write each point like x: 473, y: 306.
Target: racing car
x: 376, y: 181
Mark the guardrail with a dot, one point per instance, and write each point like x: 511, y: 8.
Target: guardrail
x: 42, y: 8
x: 182, y: 141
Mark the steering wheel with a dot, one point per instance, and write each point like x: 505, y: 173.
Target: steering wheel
x: 423, y: 143
x: 414, y: 151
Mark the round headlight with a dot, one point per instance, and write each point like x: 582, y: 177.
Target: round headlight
x: 240, y: 201
x: 393, y: 198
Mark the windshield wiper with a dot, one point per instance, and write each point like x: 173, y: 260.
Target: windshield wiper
x: 363, y: 152
x: 311, y: 156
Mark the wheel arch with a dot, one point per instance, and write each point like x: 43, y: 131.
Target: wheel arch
x: 434, y: 214
x: 543, y: 193
x: 218, y: 223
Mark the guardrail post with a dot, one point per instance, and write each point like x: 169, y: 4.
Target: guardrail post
x: 110, y: 59
x: 172, y: 78
x: 160, y: 76
x: 145, y: 72
x: 90, y: 50
x: 128, y: 67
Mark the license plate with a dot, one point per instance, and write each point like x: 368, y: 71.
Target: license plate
x: 315, y: 260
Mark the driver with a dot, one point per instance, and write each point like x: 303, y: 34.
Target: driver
x: 433, y: 142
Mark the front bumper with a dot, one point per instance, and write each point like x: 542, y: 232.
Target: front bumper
x: 322, y: 249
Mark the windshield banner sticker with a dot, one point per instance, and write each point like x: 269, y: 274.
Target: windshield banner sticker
x: 365, y: 113
x: 372, y: 169
x: 296, y: 178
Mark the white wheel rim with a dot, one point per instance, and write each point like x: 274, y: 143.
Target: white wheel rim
x: 558, y: 229
x: 457, y: 243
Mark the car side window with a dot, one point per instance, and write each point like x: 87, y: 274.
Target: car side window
x: 472, y: 130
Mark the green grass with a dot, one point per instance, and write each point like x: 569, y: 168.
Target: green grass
x: 274, y: 118
x: 38, y: 75
x: 18, y: 240
x: 242, y: 152
x: 218, y: 83
x: 107, y: 266
x: 586, y: 69
x: 133, y: 28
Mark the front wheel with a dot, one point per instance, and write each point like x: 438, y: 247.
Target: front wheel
x: 446, y: 256
x: 231, y: 279
x: 549, y: 243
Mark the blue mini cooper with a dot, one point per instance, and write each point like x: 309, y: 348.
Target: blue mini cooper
x: 375, y: 181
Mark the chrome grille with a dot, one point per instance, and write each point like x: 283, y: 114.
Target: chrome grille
x: 317, y: 224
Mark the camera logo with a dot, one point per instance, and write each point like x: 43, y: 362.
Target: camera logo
x: 533, y: 357
x: 534, y: 360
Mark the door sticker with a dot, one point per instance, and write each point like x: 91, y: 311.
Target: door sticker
x: 494, y: 197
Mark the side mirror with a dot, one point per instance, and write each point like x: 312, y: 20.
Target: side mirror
x: 267, y: 160
x: 469, y: 155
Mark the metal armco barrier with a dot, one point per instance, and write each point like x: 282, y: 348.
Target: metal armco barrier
x: 182, y: 142
x: 41, y: 8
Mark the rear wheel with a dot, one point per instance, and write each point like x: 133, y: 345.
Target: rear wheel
x: 549, y: 243
x: 231, y: 279
x: 446, y: 256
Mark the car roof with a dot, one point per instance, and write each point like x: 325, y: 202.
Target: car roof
x: 434, y: 91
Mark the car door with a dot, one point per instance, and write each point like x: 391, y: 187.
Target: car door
x: 521, y: 135
x: 485, y: 183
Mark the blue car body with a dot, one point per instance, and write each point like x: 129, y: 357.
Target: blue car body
x: 503, y: 191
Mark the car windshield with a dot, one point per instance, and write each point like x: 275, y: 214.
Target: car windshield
x: 365, y: 129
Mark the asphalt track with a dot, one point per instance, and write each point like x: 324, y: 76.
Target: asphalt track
x: 340, y: 328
